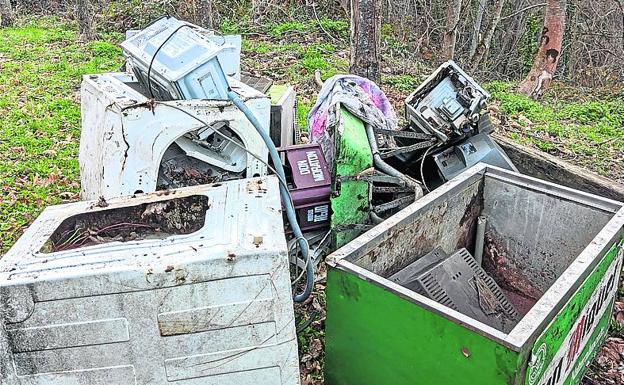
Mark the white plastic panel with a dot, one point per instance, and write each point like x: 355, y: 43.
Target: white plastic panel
x: 187, y: 60
x: 210, y: 307
x: 124, y: 137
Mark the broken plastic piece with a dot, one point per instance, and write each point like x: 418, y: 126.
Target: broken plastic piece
x: 458, y: 282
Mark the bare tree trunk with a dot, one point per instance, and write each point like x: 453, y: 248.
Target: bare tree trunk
x: 545, y: 64
x: 7, y: 17
x: 476, y: 32
x: 453, y: 12
x: 366, y: 39
x: 85, y: 23
x: 204, y: 13
x: 484, y: 45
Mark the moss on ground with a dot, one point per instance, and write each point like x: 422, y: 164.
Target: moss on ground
x: 583, y: 126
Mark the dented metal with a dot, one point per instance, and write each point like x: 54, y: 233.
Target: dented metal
x: 213, y: 306
x: 125, y: 135
x: 560, y: 246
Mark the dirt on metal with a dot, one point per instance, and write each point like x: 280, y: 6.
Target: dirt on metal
x: 520, y: 291
x: 146, y: 221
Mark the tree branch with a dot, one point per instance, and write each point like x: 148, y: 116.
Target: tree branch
x: 523, y: 10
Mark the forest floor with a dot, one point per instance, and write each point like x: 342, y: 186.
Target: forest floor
x: 41, y: 63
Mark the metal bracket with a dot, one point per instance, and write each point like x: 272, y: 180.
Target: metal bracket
x: 403, y: 134
x: 397, y: 203
x: 354, y: 226
x: 373, y: 176
x: 401, y: 150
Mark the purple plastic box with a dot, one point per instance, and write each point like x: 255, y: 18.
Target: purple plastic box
x: 311, y: 185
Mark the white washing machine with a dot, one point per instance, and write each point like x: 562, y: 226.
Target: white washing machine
x: 130, y: 144
x: 189, y: 287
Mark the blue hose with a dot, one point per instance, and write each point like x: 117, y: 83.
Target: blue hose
x: 288, y: 205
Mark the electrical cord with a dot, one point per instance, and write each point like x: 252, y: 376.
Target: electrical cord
x: 305, y: 324
x: 166, y: 15
x: 288, y: 204
x: 278, y: 167
x: 422, y: 163
x: 286, y: 196
x: 226, y: 138
x: 307, y: 261
x: 149, y: 68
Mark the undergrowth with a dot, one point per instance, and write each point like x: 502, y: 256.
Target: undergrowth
x: 41, y: 64
x: 587, y: 127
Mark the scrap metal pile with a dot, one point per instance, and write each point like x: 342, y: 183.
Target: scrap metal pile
x: 200, y: 195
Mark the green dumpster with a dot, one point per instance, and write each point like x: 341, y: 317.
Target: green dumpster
x: 555, y: 251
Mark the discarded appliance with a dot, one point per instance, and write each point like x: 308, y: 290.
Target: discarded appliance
x: 351, y: 196
x: 447, y: 104
x: 479, y: 148
x: 459, y: 282
x: 130, y: 144
x: 555, y: 252
x: 284, y: 130
x: 448, y: 129
x: 179, y: 60
x: 309, y: 185
x: 229, y: 55
x: 259, y: 83
x: 188, y: 286
x: 189, y: 72
x: 365, y: 189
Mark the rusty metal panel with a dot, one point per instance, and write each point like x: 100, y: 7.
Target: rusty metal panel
x: 209, y: 307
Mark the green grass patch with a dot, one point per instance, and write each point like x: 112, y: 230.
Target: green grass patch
x: 303, y: 109
x: 279, y: 29
x: 336, y: 28
x: 590, y: 128
x: 406, y: 83
x: 41, y: 64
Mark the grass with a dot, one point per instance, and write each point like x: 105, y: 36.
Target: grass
x: 336, y: 28
x: 404, y: 83
x: 40, y: 69
x: 41, y: 63
x: 296, y: 62
x: 586, y: 128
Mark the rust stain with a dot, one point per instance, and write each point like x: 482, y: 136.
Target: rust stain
x: 505, y: 272
x: 257, y: 187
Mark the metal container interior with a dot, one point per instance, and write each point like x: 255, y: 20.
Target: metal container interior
x: 542, y: 240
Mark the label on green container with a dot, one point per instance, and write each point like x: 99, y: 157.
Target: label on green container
x: 562, y: 352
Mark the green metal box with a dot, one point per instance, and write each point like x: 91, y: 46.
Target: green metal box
x: 559, y: 245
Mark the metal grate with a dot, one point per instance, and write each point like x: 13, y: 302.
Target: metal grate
x: 460, y: 283
x: 257, y: 82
